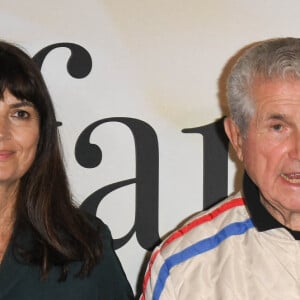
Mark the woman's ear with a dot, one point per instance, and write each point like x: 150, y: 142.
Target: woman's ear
x: 235, y: 136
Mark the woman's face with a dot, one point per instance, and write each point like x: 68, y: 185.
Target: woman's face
x: 19, y: 136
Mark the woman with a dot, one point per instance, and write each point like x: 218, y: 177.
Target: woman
x: 49, y: 249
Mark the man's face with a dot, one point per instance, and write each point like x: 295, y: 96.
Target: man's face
x: 270, y: 150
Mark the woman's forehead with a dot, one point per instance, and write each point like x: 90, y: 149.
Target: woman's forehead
x: 9, y: 97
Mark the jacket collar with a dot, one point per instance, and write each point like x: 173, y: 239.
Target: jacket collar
x: 261, y: 218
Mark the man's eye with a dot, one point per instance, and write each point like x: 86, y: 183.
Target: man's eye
x: 277, y: 127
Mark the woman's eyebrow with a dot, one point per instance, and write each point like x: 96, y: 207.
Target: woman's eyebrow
x: 23, y: 103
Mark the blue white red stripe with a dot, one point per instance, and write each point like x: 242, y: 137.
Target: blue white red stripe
x: 198, y: 248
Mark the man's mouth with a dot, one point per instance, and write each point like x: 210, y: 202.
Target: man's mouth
x: 291, y: 177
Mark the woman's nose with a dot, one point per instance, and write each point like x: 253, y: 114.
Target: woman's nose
x: 4, y: 128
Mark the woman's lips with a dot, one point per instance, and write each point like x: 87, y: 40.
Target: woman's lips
x: 5, y: 154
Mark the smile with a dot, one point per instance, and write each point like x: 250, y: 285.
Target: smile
x: 291, y: 177
x: 5, y: 154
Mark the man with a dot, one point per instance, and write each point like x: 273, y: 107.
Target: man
x: 246, y: 247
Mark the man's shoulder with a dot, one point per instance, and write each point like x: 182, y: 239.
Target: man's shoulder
x: 199, y: 240
x: 206, y: 224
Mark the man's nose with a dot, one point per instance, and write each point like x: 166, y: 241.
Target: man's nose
x: 295, y: 147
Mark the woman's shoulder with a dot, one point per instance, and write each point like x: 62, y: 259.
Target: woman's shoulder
x: 109, y: 268
x: 97, y: 224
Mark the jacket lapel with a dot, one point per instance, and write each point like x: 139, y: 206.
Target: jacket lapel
x: 11, y: 272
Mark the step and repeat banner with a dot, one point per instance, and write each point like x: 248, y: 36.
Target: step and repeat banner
x: 138, y: 87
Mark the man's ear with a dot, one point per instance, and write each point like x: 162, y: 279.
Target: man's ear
x: 235, y: 136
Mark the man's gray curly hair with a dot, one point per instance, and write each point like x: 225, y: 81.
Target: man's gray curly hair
x: 274, y: 58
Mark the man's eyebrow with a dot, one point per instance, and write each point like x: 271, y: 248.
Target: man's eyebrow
x: 276, y: 116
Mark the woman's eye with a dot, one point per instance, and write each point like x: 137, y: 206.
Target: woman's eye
x: 22, y: 114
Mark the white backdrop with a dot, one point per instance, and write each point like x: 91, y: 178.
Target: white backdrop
x: 155, y: 60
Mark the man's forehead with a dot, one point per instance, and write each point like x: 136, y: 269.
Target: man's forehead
x: 276, y: 92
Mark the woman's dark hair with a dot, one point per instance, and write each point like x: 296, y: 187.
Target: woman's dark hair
x: 59, y: 231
